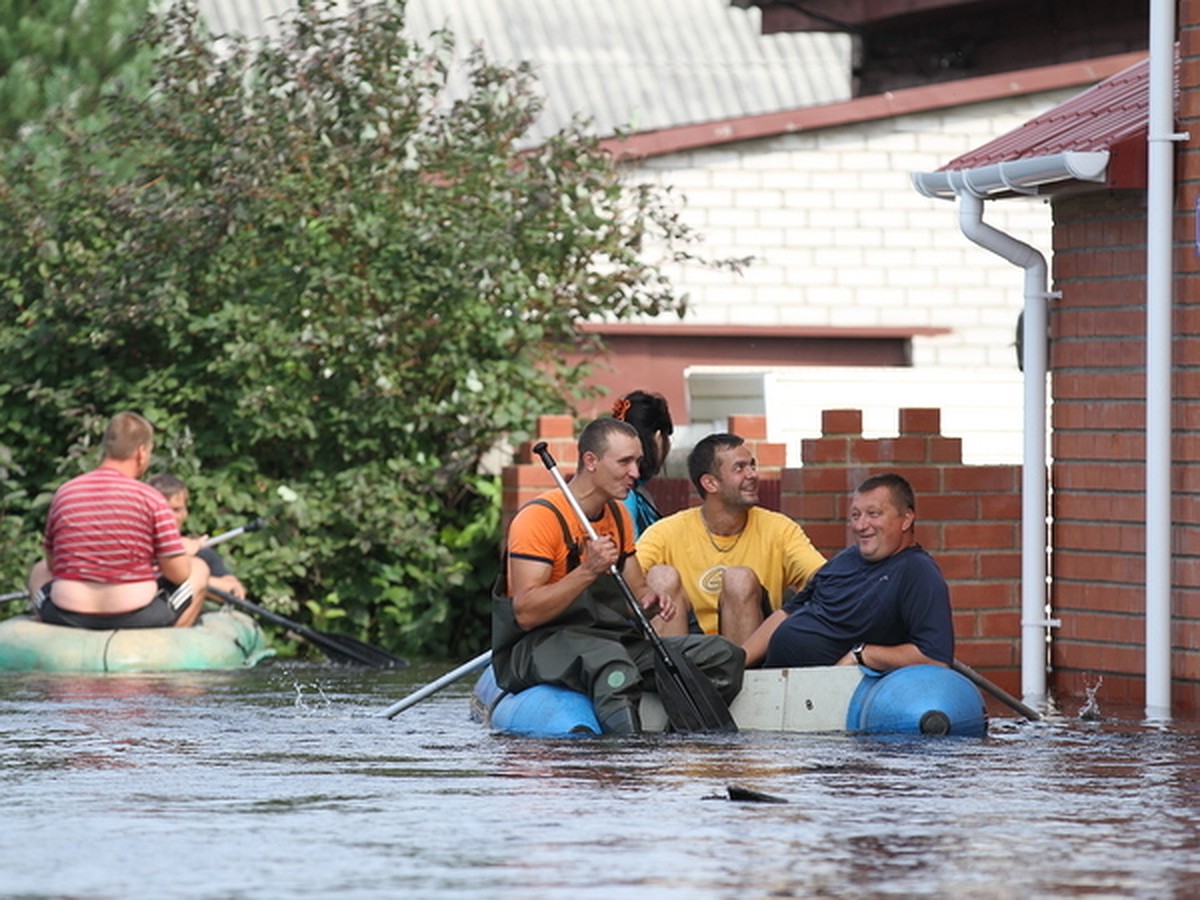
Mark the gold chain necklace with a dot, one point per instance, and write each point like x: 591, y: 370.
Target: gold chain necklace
x: 712, y: 538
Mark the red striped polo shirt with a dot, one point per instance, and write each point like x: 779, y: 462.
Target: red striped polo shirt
x: 107, y: 527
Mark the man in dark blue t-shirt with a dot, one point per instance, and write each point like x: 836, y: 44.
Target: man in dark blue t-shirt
x: 882, y: 602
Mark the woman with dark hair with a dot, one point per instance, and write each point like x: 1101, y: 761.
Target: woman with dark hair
x: 648, y: 413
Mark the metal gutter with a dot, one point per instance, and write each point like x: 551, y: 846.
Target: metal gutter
x: 1015, y: 177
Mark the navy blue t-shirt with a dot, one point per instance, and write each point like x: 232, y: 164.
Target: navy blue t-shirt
x: 899, y: 600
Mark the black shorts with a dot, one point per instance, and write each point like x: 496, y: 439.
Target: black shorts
x: 161, y: 612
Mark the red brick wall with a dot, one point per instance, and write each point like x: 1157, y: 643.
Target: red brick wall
x: 1185, y: 487
x: 527, y: 476
x: 1098, y: 475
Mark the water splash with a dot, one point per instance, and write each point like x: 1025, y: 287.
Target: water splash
x: 1090, y: 711
x: 303, y: 703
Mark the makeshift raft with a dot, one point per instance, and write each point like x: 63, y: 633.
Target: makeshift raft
x: 223, y: 639
x: 931, y: 700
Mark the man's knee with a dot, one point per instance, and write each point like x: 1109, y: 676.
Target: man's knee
x: 664, y: 579
x: 740, y: 581
x: 741, y: 589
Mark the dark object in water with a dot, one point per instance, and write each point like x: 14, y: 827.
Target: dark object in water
x: 750, y: 796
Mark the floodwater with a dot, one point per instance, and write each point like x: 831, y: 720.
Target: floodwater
x: 284, y: 782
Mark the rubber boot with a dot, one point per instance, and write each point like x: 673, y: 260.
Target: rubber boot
x: 624, y: 720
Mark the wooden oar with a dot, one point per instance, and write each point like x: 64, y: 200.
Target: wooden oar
x: 479, y: 662
x: 996, y: 691
x: 338, y: 647
x: 691, y: 702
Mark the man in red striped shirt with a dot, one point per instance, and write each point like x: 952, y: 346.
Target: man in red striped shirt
x: 114, y: 555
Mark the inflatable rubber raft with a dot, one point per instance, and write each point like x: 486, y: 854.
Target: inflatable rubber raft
x: 929, y: 700
x: 222, y: 639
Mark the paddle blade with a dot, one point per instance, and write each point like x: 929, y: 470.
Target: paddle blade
x: 691, y: 701
x: 343, y: 648
x: 338, y: 647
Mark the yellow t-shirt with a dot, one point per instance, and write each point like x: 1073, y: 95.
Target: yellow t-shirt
x: 773, y: 545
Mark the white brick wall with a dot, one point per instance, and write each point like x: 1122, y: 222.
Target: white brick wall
x: 840, y: 237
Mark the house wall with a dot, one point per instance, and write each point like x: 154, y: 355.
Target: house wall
x: 841, y: 239
x: 1098, y: 475
x: 968, y: 516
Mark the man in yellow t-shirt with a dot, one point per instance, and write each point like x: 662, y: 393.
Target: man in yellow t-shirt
x: 728, y: 559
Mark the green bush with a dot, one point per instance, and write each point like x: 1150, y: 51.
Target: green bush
x: 313, y: 267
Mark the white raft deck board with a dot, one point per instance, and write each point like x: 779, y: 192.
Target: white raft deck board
x: 812, y: 699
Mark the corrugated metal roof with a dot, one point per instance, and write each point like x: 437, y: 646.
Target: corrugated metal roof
x: 1101, y: 118
x: 639, y: 65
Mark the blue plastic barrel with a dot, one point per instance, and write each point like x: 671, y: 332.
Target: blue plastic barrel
x: 540, y: 711
x: 931, y: 700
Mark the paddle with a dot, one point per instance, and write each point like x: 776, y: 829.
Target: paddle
x: 996, y: 691
x: 338, y: 647
x: 479, y: 662
x: 236, y: 532
x: 690, y: 700
x: 15, y: 595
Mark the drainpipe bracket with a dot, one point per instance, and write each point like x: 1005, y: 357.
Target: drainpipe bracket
x: 1042, y: 623
x: 1177, y: 137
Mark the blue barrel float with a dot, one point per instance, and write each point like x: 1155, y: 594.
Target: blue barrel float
x: 931, y: 700
x: 541, y: 711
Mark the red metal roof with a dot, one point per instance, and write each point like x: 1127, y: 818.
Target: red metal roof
x: 1113, y: 116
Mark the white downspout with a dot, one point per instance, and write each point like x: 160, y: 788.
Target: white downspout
x: 1160, y: 191
x: 1034, y: 620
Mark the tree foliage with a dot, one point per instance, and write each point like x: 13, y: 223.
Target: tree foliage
x: 56, y: 53
x: 313, y: 267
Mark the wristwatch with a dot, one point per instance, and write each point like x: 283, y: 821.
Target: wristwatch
x: 857, y: 650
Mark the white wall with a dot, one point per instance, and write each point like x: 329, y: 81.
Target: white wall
x: 841, y: 238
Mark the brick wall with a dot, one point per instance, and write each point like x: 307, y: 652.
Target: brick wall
x: 1098, y: 477
x: 1185, y: 628
x: 838, y: 237
x: 968, y: 516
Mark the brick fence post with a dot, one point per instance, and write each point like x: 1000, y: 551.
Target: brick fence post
x: 527, y: 477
